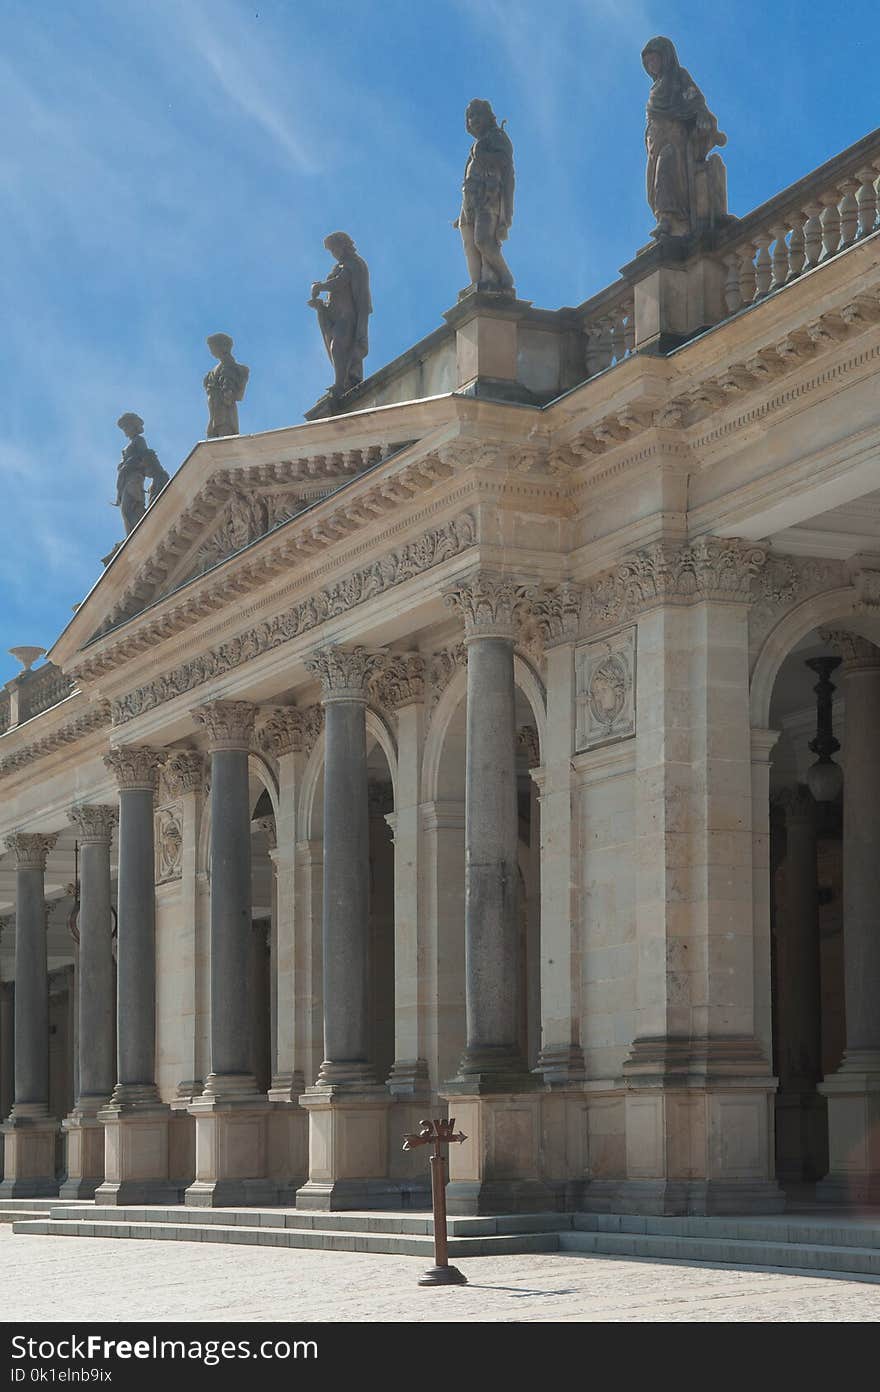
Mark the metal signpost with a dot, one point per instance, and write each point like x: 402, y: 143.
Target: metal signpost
x: 438, y: 1133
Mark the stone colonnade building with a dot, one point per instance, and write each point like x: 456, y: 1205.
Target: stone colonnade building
x: 453, y: 750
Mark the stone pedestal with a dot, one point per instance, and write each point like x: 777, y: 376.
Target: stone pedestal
x: 853, y: 1092
x: 497, y: 1169
x: 29, y: 1154
x: 232, y: 1152
x: 84, y: 1148
x: 348, y: 1151
x: 137, y: 1150
x: 487, y: 345
x: 288, y: 1136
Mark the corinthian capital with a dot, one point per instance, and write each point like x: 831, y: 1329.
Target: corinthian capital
x: 291, y: 729
x: 556, y: 610
x: 403, y: 680
x: 488, y: 604
x: 183, y: 772
x: 30, y: 848
x: 230, y: 724
x: 345, y: 673
x: 94, y: 823
x: 857, y: 652
x: 135, y: 766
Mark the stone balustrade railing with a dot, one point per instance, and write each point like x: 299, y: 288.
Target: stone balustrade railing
x: 608, y: 322
x: 31, y: 693
x: 803, y: 226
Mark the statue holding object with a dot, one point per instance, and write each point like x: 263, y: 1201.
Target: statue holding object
x: 138, y: 464
x: 687, y: 189
x: 487, y: 200
x: 344, y: 317
x: 225, y: 386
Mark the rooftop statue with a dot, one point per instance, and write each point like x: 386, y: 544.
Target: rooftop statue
x: 487, y: 199
x: 225, y: 386
x: 686, y: 190
x: 138, y: 463
x: 344, y: 317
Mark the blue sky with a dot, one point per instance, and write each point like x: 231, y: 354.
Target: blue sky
x: 170, y: 168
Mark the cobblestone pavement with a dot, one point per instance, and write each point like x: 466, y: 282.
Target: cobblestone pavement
x: 58, y: 1278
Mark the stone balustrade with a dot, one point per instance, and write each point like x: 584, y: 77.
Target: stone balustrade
x: 42, y: 690
x: 803, y: 226
x: 608, y: 321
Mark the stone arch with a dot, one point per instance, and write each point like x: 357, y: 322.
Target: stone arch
x: 814, y: 612
x: 260, y: 772
x: 308, y: 826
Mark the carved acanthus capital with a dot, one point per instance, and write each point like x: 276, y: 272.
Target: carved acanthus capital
x: 94, y: 823
x: 403, y: 680
x: 184, y: 772
x: 489, y: 604
x: 710, y: 568
x: 345, y: 673
x: 858, y: 653
x: 30, y: 848
x: 556, y: 611
x: 135, y: 767
x: 230, y: 724
x: 291, y: 729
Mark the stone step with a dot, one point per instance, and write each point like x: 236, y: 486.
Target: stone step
x: 346, y: 1221
x: 802, y: 1256
x: 13, y: 1209
x: 329, y: 1240
x: 824, y: 1231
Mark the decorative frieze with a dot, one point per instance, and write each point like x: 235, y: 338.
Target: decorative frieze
x: 169, y: 844
x: 710, y: 568
x: 403, y: 680
x: 605, y: 690
x: 857, y: 652
x: 430, y: 549
x: 291, y: 730
x: 94, y: 823
x: 230, y: 724
x: 184, y: 772
x: 30, y: 848
x: 345, y: 673
x: 135, y: 767
x: 489, y: 604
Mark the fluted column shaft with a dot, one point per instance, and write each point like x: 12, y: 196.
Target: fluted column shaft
x: 94, y: 826
x: 346, y: 884
x: 136, y: 772
x: 230, y: 726
x: 31, y: 974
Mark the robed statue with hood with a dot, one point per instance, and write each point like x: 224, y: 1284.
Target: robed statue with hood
x: 687, y: 188
x: 344, y: 316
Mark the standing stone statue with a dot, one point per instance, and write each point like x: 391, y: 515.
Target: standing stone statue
x: 686, y: 191
x: 344, y: 317
x: 138, y: 463
x: 225, y: 386
x: 487, y: 199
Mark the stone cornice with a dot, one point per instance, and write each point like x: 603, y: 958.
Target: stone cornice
x: 90, y: 720
x: 345, y: 673
x: 94, y: 823
x: 420, y: 554
x: 30, y: 848
x: 135, y: 767
x: 488, y: 603
x: 230, y: 724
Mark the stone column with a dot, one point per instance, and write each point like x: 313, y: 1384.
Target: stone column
x: 95, y: 986
x: 801, y: 1122
x: 7, y: 1033
x: 231, y: 1115
x: 136, y: 1122
x: 29, y: 1130
x: 348, y: 1111
x: 496, y: 1170
x: 853, y: 1092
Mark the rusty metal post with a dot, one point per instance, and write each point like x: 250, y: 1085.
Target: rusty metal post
x: 438, y: 1133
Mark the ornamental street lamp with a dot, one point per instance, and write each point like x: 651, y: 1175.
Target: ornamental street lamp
x: 825, y: 777
x: 438, y: 1133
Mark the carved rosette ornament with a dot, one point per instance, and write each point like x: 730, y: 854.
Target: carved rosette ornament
x: 345, y: 673
x: 230, y: 724
x: 858, y: 653
x: 183, y: 773
x: 94, y: 823
x: 291, y: 730
x: 135, y: 767
x: 30, y: 848
x: 489, y: 604
x: 403, y: 681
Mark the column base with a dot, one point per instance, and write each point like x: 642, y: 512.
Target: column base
x: 487, y: 1071
x: 801, y: 1137
x: 853, y: 1096
x: 498, y: 1168
x: 348, y: 1150
x: 561, y: 1065
x: 136, y: 1149
x: 84, y: 1141
x: 29, y: 1136
x: 232, y: 1145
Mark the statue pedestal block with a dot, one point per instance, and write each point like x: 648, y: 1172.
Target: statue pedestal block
x: 348, y: 1150
x: 487, y: 346
x: 29, y: 1140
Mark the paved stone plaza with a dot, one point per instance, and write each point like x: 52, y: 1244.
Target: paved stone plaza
x: 49, y: 1279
